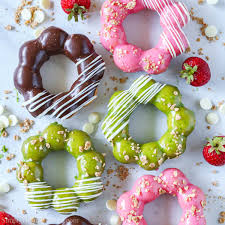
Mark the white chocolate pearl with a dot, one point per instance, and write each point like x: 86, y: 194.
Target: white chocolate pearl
x: 212, y: 2
x: 5, y: 121
x: 205, y: 104
x: 94, y: 118
x: 222, y: 109
x: 4, y: 187
x: 46, y: 4
x: 88, y: 128
x: 39, y: 16
x: 211, y: 31
x: 212, y: 118
x: 2, y: 108
x: 26, y: 14
x: 12, y: 120
x: 115, y: 220
x: 38, y: 32
x: 111, y: 204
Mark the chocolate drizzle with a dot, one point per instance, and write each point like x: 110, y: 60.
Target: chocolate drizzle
x: 75, y: 220
x: 27, y: 78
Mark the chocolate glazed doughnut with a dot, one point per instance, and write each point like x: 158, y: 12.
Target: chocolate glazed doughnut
x: 27, y: 78
x: 75, y: 220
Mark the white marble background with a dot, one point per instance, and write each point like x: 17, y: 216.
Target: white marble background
x: 147, y: 124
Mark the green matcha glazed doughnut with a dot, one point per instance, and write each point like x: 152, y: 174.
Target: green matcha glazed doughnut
x: 166, y: 98
x: 90, y: 165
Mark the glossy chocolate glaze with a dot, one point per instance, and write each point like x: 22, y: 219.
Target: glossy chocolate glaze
x: 75, y: 220
x: 33, y: 54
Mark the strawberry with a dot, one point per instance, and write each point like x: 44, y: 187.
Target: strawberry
x: 75, y: 8
x: 6, y: 219
x: 214, y: 151
x: 196, y: 71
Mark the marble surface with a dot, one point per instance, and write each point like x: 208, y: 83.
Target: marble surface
x: 147, y: 123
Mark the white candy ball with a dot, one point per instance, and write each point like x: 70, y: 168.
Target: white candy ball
x: 115, y: 220
x: 4, y: 187
x: 2, y: 108
x: 222, y: 109
x: 212, y: 2
x: 212, y: 118
x: 205, y: 104
x: 46, y: 4
x: 88, y: 128
x: 94, y: 118
x: 12, y: 120
x: 39, y: 16
x: 5, y: 121
x: 111, y: 204
x: 26, y: 14
x: 211, y: 31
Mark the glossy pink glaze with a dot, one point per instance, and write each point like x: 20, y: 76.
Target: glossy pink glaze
x: 130, y: 58
x: 130, y: 205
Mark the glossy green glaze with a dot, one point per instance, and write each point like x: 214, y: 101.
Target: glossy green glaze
x: 90, y: 166
x: 180, y: 123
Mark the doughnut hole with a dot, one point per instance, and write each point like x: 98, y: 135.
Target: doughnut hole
x: 147, y: 192
x: 167, y: 97
x: 173, y: 180
x: 90, y: 164
x: 173, y: 144
x: 127, y: 203
x: 151, y: 156
x: 78, y: 142
x: 65, y: 201
x: 88, y: 190
x: 155, y: 61
x: 40, y: 200
x: 55, y: 135
x: 182, y: 120
x: 125, y: 151
x: 30, y: 172
x: 127, y: 57
x: 193, y: 195
x: 34, y: 148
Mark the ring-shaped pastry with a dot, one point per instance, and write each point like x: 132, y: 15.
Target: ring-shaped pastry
x: 90, y: 165
x: 166, y: 98
x: 130, y: 58
x: 27, y: 78
x: 130, y: 205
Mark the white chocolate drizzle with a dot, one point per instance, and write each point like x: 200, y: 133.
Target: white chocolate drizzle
x: 125, y: 103
x: 44, y: 97
x: 175, y: 32
x: 85, y: 191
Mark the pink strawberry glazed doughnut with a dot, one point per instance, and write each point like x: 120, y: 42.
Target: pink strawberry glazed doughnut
x: 130, y: 205
x: 130, y: 58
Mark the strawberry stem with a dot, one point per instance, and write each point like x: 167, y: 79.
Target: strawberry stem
x: 76, y: 11
x: 217, y: 144
x: 188, y: 72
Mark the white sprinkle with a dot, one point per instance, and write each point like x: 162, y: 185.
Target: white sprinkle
x: 205, y: 104
x: 12, y: 120
x: 115, y: 220
x: 88, y: 128
x: 26, y: 14
x: 46, y: 4
x: 5, y: 121
x: 212, y: 2
x: 111, y: 204
x: 222, y: 109
x: 38, y: 31
x: 211, y: 31
x: 212, y: 118
x: 2, y: 108
x: 39, y: 16
x: 4, y: 187
x: 94, y: 117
